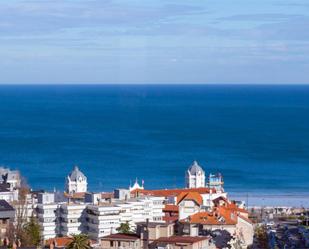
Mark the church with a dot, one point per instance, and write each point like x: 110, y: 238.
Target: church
x: 76, y: 182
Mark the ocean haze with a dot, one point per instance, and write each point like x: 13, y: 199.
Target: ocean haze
x: 256, y: 136
x: 154, y: 41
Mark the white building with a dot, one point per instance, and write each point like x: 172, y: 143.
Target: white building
x: 189, y: 204
x: 7, y: 194
x: 149, y: 207
x: 102, y: 220
x: 72, y: 218
x: 47, y: 211
x: 12, y: 177
x: 195, y: 176
x: 10, y: 182
x: 76, y: 182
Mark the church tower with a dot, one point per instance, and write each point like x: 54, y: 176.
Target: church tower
x: 195, y: 176
x: 76, y: 182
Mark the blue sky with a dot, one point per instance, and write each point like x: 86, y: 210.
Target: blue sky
x: 154, y: 41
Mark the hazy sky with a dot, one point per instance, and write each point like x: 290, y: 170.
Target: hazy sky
x: 154, y: 41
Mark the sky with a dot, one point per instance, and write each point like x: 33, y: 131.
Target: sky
x: 154, y: 41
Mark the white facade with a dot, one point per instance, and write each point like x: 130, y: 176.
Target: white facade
x: 8, y: 195
x: 208, y: 198
x: 146, y: 208
x: 187, y: 208
x: 195, y: 176
x: 102, y: 220
x: 47, y: 215
x: 72, y: 218
x: 76, y: 182
x: 11, y: 177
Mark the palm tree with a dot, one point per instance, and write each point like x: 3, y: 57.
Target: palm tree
x: 124, y: 228
x: 79, y: 241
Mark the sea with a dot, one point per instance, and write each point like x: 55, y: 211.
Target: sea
x: 256, y: 136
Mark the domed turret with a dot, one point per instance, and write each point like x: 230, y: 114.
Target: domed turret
x: 195, y: 168
x: 195, y: 176
x: 77, y: 175
x: 76, y: 182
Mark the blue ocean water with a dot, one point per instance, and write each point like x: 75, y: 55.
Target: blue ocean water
x: 256, y: 136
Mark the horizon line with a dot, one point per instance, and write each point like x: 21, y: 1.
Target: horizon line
x: 154, y: 84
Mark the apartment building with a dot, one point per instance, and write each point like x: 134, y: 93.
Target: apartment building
x: 96, y: 219
x: 47, y: 212
x: 102, y: 219
x: 72, y: 218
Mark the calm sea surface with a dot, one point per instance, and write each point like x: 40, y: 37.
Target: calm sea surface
x: 256, y: 136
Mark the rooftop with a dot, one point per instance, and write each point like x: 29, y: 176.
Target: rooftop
x: 5, y: 206
x: 76, y: 174
x: 171, y: 192
x: 170, y: 208
x: 195, y: 196
x: 62, y: 241
x: 195, y: 168
x: 211, y: 218
x: 181, y: 239
x: 121, y: 236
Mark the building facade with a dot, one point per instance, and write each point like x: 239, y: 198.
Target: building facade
x: 71, y: 218
x: 76, y: 182
x: 7, y: 215
x: 47, y: 213
x: 195, y: 176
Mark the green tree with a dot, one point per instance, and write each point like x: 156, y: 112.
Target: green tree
x: 124, y: 228
x: 32, y: 233
x: 79, y: 241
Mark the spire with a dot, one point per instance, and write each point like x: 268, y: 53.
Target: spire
x: 136, y: 185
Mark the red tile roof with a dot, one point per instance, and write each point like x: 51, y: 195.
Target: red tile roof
x: 170, y: 208
x: 59, y: 242
x: 170, y: 219
x: 233, y: 207
x: 222, y: 215
x: 62, y: 241
x: 218, y: 217
x: 170, y: 192
x: 195, y: 196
